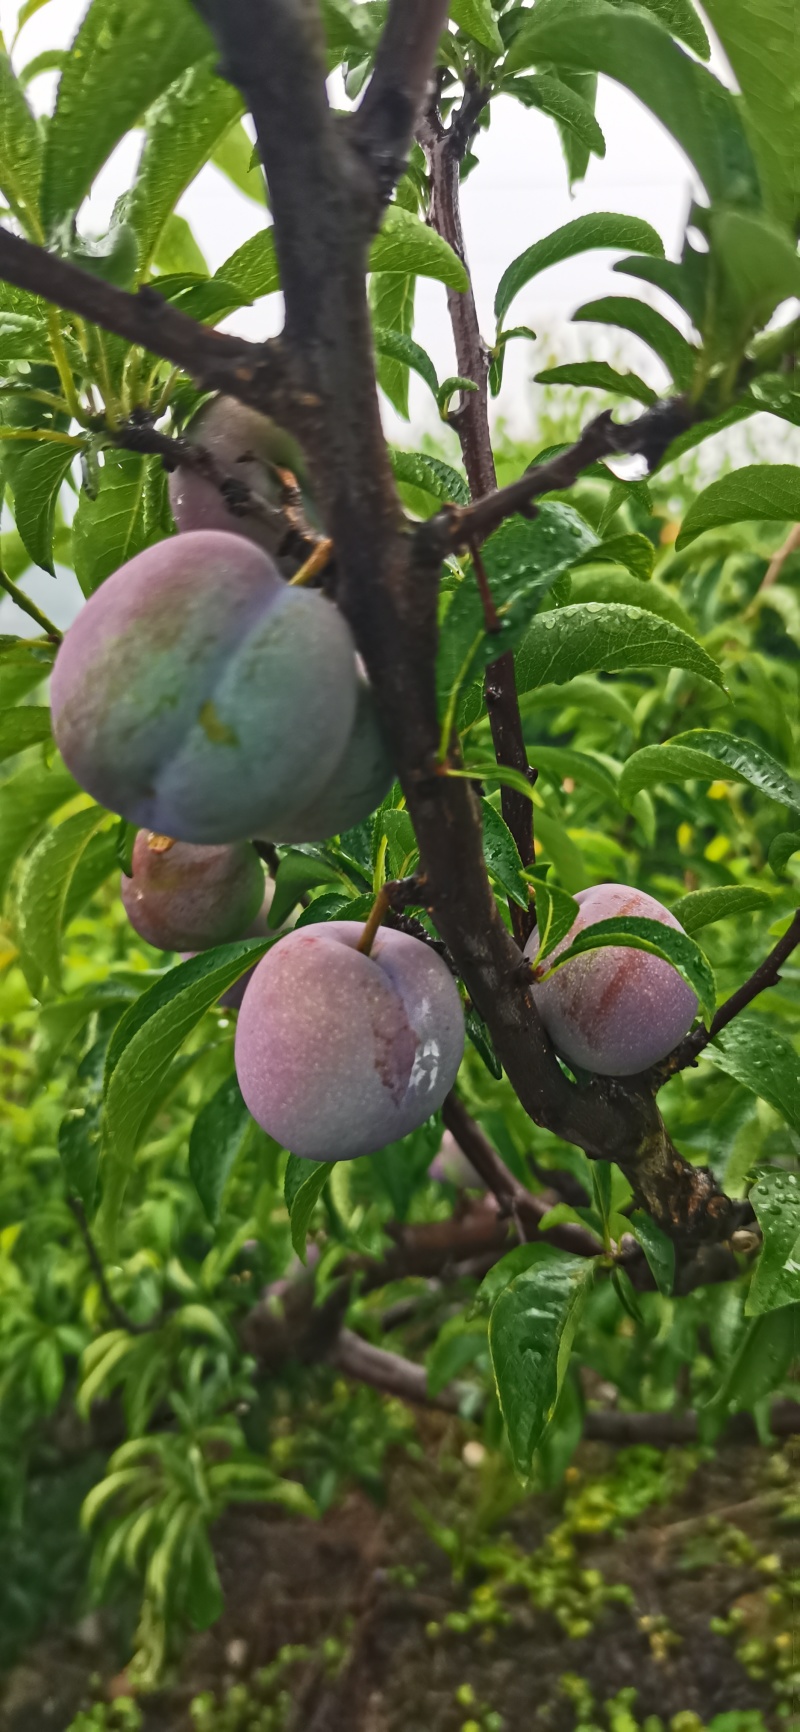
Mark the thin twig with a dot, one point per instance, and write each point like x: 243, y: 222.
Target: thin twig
x: 514, y: 1198
x: 29, y: 607
x: 384, y: 123
x: 115, y: 1311
x: 767, y: 974
x: 773, y: 572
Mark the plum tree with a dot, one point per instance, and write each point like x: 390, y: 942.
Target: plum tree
x: 614, y: 1010
x: 196, y: 693
x: 358, y: 783
x: 339, y: 1053
x: 251, y: 448
x: 181, y: 896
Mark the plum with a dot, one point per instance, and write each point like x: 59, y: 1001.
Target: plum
x: 179, y: 895
x: 339, y: 1053
x: 615, y: 1010
x: 358, y: 783
x: 450, y: 1166
x: 258, y: 928
x: 248, y: 446
x: 196, y: 693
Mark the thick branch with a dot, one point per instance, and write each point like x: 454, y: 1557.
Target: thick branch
x: 767, y: 974
x: 385, y: 121
x: 253, y: 372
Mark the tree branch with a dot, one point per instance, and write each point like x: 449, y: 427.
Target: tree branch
x: 384, y: 123
x: 253, y: 372
x: 115, y: 1311
x: 767, y: 974
x: 514, y: 1198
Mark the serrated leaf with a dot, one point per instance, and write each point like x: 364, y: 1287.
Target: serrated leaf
x: 556, y: 98
x: 643, y: 321
x: 759, y: 493
x: 430, y: 475
x: 21, y: 728
x: 125, y: 54
x: 44, y: 887
x: 23, y: 338
x: 556, y: 913
x: 594, y: 635
x: 635, y: 552
x: 776, y: 1282
x: 764, y: 1356
x: 781, y: 851
x: 26, y: 802
x: 760, y: 40
x: 680, y: 19
x: 109, y: 530
x: 502, y: 855
x: 219, y: 1136
x: 236, y: 158
x: 24, y: 663
x: 20, y: 151
x: 628, y: 931
x: 626, y: 45
x: 476, y: 19
x: 599, y: 376
x: 391, y: 298
x: 37, y: 484
x: 703, y: 907
x: 531, y: 1330
x: 184, y: 128
x: 405, y: 245
x: 303, y: 1185
x: 253, y: 268
x: 583, y: 234
x: 706, y: 755
x: 401, y: 348
x: 658, y: 1249
x: 760, y: 1057
x: 607, y: 583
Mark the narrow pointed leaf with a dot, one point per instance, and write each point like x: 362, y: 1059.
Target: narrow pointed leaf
x: 705, y: 755
x: 303, y: 1185
x: 44, y: 888
x: 760, y: 1057
x: 643, y: 321
x: 184, y: 128
x: 703, y: 907
x: 594, y: 635
x: 583, y: 234
x: 219, y: 1135
x: 531, y: 1330
x: 20, y: 151
x: 502, y: 855
x: 26, y: 802
x: 37, y: 484
x: 599, y: 376
x: 760, y: 493
x: 776, y: 1200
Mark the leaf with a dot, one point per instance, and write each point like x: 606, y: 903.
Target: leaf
x: 26, y: 801
x: 80, y: 1136
x: 702, y: 116
x: 476, y: 19
x: 23, y: 338
x: 705, y: 755
x: 109, y: 530
x: 24, y: 663
x: 579, y: 640
x: 759, y: 267
x: 399, y: 347
x: 607, y: 583
x: 20, y: 151
x: 45, y: 884
x: 125, y: 54
x: 502, y: 855
x: 680, y: 19
x: 760, y: 40
x: 391, y: 299
x: 429, y: 474
x: 297, y: 873
x: 644, y: 322
x: 531, y: 1330
x: 482, y: 1041
x: 401, y: 1166
x: 781, y: 851
x: 584, y: 233
x: 599, y: 376
x: 205, y: 1601
x: 556, y: 98
x: 219, y: 1135
x: 757, y: 1055
x: 562, y: 851
x: 760, y: 493
x: 703, y: 907
x: 556, y: 913
x: 21, y: 728
x: 27, y: 11
x: 776, y: 1200
x: 37, y: 484
x: 761, y: 1362
x: 184, y: 128
x: 560, y: 761
x: 407, y: 246
x: 628, y: 931
x: 234, y: 157
x: 303, y: 1185
x: 658, y: 1249
x: 253, y: 268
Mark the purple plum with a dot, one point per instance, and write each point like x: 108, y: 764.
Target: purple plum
x: 359, y: 782
x: 180, y: 895
x: 249, y: 447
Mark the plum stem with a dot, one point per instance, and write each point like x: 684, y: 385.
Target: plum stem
x: 377, y: 915
x: 316, y: 562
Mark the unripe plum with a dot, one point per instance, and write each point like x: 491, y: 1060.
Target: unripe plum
x: 181, y: 896
x: 196, y: 693
x: 339, y: 1053
x: 247, y: 446
x: 615, y: 1010
x: 359, y: 782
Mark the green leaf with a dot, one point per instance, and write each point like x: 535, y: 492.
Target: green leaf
x: 21, y: 728
x: 430, y: 475
x: 502, y: 855
x: 599, y: 376
x: 110, y: 529
x: 635, y: 552
x: 234, y: 157
x: 556, y: 913
x: 760, y: 268
x: 531, y: 1330
x: 26, y: 801
x: 482, y: 1041
x: 766, y: 1352
x: 757, y: 1055
x: 400, y: 1167
x: 476, y: 19
x: 608, y: 583
x: 562, y: 851
x: 628, y: 931
x: 45, y: 884
x: 781, y: 851
x: 51, y: 60
x: 584, y: 233
x: 760, y: 493
x: 399, y: 347
x: 23, y: 338
x: 24, y: 663
x: 184, y: 128
x: 578, y: 640
x: 27, y: 11
x: 37, y: 484
x: 703, y: 907
x: 219, y: 1135
x: 391, y: 299
x: 124, y: 56
x: 658, y: 1249
x: 20, y: 151
x: 705, y: 755
x: 556, y: 98
x: 560, y: 761
x: 643, y: 321
x: 760, y: 40
x: 204, y: 1598
x: 702, y: 116
x: 680, y: 19
x: 297, y: 873
x: 253, y: 268
x: 405, y: 245
x: 303, y: 1185
x: 776, y: 1200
